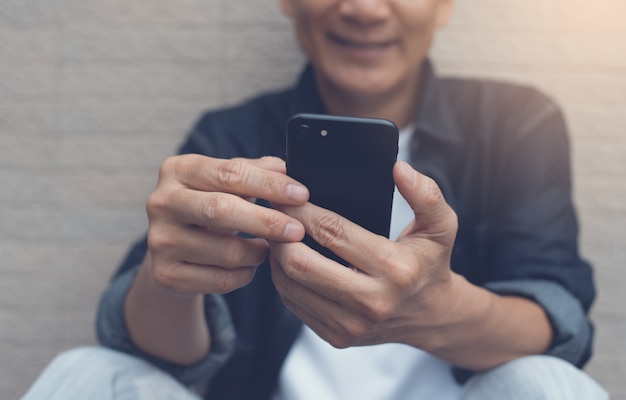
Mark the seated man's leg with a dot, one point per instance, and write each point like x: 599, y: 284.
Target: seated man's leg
x: 99, y: 373
x: 533, y: 378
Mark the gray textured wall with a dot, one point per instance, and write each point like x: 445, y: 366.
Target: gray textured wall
x: 94, y: 94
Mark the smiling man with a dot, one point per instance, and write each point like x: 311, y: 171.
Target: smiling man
x: 479, y: 294
x: 367, y: 54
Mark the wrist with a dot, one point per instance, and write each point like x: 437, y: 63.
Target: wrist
x: 483, y: 329
x: 456, y: 310
x: 164, y: 323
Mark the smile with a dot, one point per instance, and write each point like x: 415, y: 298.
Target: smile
x: 360, y: 45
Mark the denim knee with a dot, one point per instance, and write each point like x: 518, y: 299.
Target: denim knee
x: 99, y: 373
x: 533, y: 378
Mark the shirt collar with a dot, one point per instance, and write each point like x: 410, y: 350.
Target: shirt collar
x: 307, y: 98
x: 434, y: 115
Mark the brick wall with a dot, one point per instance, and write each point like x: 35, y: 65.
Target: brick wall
x: 94, y: 94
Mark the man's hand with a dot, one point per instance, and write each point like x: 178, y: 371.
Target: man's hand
x: 196, y: 211
x: 392, y: 289
x: 402, y: 291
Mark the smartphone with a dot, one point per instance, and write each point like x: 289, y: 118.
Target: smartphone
x: 346, y: 163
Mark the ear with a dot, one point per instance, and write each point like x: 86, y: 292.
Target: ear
x: 287, y: 7
x: 444, y: 12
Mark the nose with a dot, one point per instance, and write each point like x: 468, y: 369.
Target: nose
x: 365, y: 12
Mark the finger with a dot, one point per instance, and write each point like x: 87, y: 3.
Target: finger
x: 433, y: 216
x: 305, y: 271
x: 258, y: 179
x: 269, y: 163
x: 361, y: 248
x: 311, y: 269
x: 342, y: 330
x: 331, y: 320
x: 195, y: 245
x: 329, y: 328
x: 224, y: 212
x: 190, y: 279
x: 303, y: 292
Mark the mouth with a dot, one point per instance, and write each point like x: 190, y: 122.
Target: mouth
x: 360, y: 45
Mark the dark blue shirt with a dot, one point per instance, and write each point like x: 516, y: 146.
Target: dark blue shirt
x: 499, y: 153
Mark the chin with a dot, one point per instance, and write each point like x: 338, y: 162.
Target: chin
x: 361, y: 81
x: 366, y: 86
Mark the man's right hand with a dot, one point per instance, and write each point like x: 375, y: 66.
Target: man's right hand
x: 196, y: 211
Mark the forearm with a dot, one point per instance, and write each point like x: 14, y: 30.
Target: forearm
x: 164, y: 324
x: 485, y: 329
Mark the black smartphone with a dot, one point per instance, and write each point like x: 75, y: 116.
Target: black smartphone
x: 346, y: 163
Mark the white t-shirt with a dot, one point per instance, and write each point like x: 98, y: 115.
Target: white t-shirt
x: 315, y: 370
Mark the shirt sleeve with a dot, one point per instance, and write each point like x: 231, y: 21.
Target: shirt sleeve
x: 538, y: 228
x: 572, y: 331
x: 112, y: 332
x: 529, y: 231
x: 533, y: 237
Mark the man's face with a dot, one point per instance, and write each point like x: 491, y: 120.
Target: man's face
x: 366, y: 47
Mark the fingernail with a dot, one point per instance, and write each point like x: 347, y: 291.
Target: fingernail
x: 293, y: 231
x: 297, y: 192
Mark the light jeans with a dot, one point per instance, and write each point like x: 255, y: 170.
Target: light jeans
x: 533, y: 378
x: 97, y: 373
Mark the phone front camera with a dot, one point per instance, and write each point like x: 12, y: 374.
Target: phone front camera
x: 303, y: 130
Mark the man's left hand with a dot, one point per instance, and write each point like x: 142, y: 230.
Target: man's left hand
x: 395, y: 291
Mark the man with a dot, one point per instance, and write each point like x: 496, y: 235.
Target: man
x: 483, y: 274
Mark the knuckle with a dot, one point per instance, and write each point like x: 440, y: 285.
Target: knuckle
x: 340, y: 342
x: 177, y: 165
x: 297, y: 265
x: 232, y: 254
x: 280, y: 280
x: 378, y: 310
x: 156, y: 204
x: 168, y: 166
x: 217, y: 208
x: 166, y: 276
x: 452, y: 221
x: 288, y: 303
x: 404, y: 278
x: 273, y: 222
x: 231, y: 280
x: 231, y: 173
x: 284, y: 285
x: 158, y: 241
x: 431, y: 192
x: 352, y: 331
x: 282, y: 276
x: 328, y: 229
x: 268, y: 159
x: 281, y: 283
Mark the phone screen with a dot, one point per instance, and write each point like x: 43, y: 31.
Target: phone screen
x: 346, y: 163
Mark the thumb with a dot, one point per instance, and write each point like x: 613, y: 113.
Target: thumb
x: 433, y: 216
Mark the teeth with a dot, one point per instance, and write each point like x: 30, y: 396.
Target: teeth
x: 361, y: 45
x: 367, y: 46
